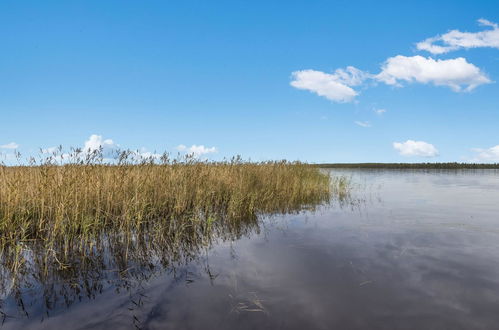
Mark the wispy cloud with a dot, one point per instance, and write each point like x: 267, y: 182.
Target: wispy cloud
x: 379, y: 112
x: 9, y: 155
x: 455, y: 39
x: 49, y: 150
x: 11, y: 145
x: 196, y: 150
x: 335, y: 87
x: 415, y: 148
x: 363, y: 123
x: 486, y: 155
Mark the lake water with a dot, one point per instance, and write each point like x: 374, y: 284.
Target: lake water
x: 412, y: 249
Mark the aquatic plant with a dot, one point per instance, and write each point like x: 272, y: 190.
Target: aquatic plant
x: 81, y: 197
x: 73, y: 223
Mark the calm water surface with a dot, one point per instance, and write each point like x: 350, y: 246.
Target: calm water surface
x: 409, y: 250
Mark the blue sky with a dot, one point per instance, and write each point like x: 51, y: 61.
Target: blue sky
x: 221, y: 78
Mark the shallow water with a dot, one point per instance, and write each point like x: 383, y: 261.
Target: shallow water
x: 409, y: 250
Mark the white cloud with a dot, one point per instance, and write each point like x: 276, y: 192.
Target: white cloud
x: 96, y: 142
x: 455, y: 73
x: 363, y: 123
x: 49, y: 150
x: 11, y: 145
x: 350, y: 76
x: 196, y: 150
x: 379, y: 112
x: 486, y: 155
x: 7, y: 158
x: 455, y: 39
x: 144, y: 154
x: 335, y: 87
x: 110, y: 151
x: 415, y: 148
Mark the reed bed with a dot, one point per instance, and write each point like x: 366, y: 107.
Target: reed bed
x: 54, y: 202
x: 61, y: 202
x: 74, y: 223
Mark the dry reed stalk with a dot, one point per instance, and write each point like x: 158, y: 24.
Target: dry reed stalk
x: 84, y: 196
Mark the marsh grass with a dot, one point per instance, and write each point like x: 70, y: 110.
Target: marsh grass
x: 81, y: 198
x: 72, y: 222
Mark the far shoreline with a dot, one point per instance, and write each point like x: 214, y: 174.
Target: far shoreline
x: 454, y: 165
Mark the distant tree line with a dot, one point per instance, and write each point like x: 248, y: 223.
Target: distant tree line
x: 411, y: 165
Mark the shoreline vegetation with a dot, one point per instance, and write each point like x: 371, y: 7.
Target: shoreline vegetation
x: 82, y: 195
x: 73, y: 223
x: 450, y: 166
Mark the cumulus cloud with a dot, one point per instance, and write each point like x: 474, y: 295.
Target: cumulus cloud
x: 486, y: 155
x: 415, y: 148
x: 11, y: 145
x: 335, y: 87
x: 96, y: 142
x: 196, y: 150
x: 455, y: 39
x: 363, y: 123
x: 455, y: 73
x: 110, y: 151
